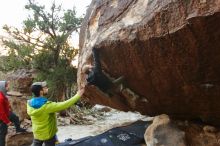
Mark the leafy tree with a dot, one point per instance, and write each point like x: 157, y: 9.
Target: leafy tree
x: 43, y: 44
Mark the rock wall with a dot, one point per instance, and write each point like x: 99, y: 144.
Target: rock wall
x: 168, y: 52
x: 19, y: 106
x: 19, y: 83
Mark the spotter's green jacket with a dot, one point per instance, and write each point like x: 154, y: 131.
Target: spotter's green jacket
x: 44, y: 121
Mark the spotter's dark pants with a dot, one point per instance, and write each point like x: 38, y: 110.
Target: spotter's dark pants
x: 3, y: 132
x: 15, y: 120
x: 50, y: 142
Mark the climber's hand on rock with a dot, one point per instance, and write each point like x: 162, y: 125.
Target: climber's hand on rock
x: 81, y: 91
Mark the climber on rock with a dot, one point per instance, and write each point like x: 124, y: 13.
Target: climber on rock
x: 6, y: 114
x: 96, y: 77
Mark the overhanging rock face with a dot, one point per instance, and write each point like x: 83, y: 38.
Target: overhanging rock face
x: 168, y: 51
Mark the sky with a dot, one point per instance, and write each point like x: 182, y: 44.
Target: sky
x: 13, y: 12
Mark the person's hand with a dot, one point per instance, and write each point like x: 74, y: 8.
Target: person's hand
x: 9, y: 124
x: 87, y: 68
x: 81, y: 91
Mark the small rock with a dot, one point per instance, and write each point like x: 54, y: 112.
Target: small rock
x: 209, y: 129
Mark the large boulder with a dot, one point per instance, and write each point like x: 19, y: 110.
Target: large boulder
x: 21, y: 80
x: 167, y: 50
x: 163, y: 133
